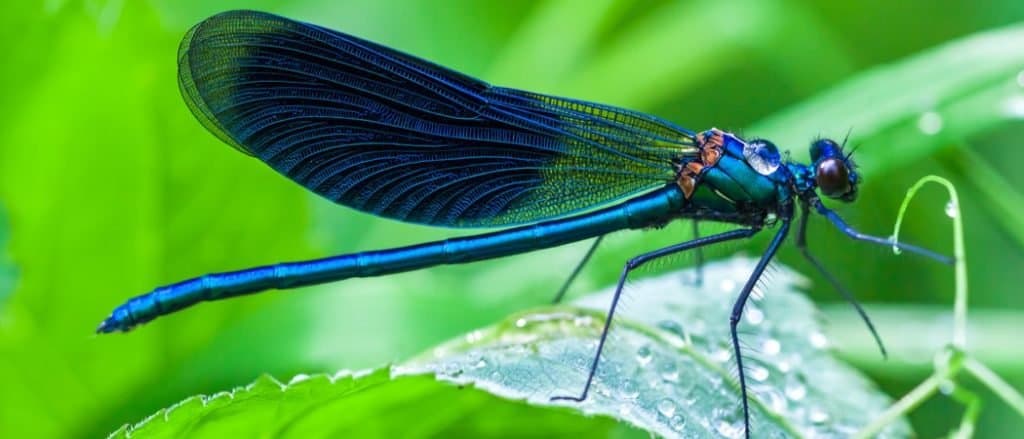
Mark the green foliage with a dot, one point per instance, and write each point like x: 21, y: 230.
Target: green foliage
x: 98, y: 175
x: 370, y: 404
x: 972, y: 84
x: 668, y: 370
x: 954, y: 357
x: 111, y: 188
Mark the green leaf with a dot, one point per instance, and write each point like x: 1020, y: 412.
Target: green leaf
x: 7, y: 272
x: 366, y: 404
x: 102, y: 177
x: 667, y: 369
x: 687, y: 54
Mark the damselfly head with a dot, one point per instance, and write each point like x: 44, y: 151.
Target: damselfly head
x: 834, y: 173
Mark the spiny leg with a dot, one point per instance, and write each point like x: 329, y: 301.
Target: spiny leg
x: 633, y: 264
x: 853, y: 233
x: 801, y: 243
x: 737, y: 312
x: 577, y: 270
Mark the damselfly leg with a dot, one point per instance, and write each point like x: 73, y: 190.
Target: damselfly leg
x: 853, y: 233
x: 737, y: 312
x: 801, y: 243
x: 633, y: 264
x: 576, y: 271
x: 698, y: 279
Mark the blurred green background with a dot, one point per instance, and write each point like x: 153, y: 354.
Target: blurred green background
x: 109, y: 187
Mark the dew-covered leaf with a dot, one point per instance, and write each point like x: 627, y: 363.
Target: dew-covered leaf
x: 668, y: 366
x: 667, y: 369
x: 365, y: 404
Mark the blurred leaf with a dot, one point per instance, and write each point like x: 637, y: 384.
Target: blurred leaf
x: 536, y: 58
x: 667, y: 370
x: 1000, y: 197
x: 678, y: 45
x: 183, y: 14
x: 908, y: 109
x: 112, y: 188
x: 992, y: 333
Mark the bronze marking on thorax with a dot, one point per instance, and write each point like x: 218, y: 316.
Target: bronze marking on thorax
x: 710, y: 152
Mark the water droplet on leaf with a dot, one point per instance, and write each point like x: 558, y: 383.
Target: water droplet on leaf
x: 774, y: 398
x: 629, y: 389
x: 759, y: 373
x: 644, y: 355
x: 721, y: 355
x: 795, y: 388
x: 754, y: 315
x: 677, y: 423
x: 451, y: 369
x: 474, y: 336
x: 669, y: 372
x: 731, y: 430
x: 817, y: 415
x: 667, y: 407
x: 671, y: 326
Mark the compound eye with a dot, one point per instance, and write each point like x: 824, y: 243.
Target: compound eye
x: 833, y: 178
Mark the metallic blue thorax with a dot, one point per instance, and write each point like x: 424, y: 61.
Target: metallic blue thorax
x: 802, y: 177
x: 746, y: 176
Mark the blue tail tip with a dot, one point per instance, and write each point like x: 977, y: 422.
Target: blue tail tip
x: 108, y: 325
x: 118, y: 321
